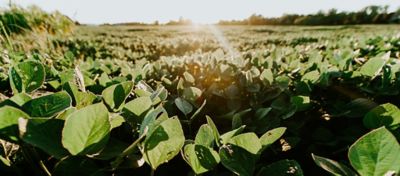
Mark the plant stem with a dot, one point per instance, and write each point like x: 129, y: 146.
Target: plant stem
x: 43, y: 166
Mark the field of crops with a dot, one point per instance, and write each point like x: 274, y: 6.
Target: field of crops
x: 200, y: 100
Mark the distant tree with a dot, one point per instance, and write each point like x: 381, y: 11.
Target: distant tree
x: 368, y: 15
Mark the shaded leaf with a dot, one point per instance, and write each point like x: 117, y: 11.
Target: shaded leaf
x: 332, y: 166
x: 48, y: 106
x: 44, y: 134
x: 238, y: 160
x: 383, y: 115
x: 184, y: 106
x: 200, y: 158
x: 163, y: 143
x: 9, y: 122
x: 115, y: 95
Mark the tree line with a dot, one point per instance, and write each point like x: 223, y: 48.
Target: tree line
x: 369, y: 15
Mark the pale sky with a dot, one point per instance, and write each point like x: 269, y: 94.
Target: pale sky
x: 200, y: 11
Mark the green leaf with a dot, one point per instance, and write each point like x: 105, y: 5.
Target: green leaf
x: 200, y: 158
x: 184, y: 106
x: 115, y: 95
x: 44, y: 134
x: 135, y: 110
x: 163, y: 143
x: 267, y: 77
x: 26, y: 76
x: 188, y: 77
x: 20, y: 99
x: 9, y: 122
x: 359, y: 107
x: 238, y: 160
x: 311, y: 77
x: 374, y: 65
x: 283, y: 82
x: 79, y: 99
x: 214, y: 129
x: 236, y: 121
x: 86, y: 131
x: 383, y: 115
x: 376, y: 153
x: 332, y: 166
x: 67, y: 76
x: 282, y: 168
x: 158, y: 96
x: 5, y: 161
x: 150, y: 119
x: 205, y: 136
x: 228, y: 135
x: 49, y: 105
x: 197, y: 112
x: 84, y: 99
x: 66, y: 113
x: 116, y: 120
x: 271, y: 136
x: 104, y: 79
x: 247, y: 141
x: 191, y: 94
x: 301, y: 102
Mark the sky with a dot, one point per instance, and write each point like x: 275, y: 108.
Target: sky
x: 199, y: 11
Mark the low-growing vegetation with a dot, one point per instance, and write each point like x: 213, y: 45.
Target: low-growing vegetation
x: 204, y: 100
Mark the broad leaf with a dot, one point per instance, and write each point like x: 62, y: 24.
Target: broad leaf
x: 86, y: 131
x: 228, y: 135
x: 26, y: 76
x: 204, y: 136
x: 20, y: 99
x: 376, y: 153
x: 184, y: 106
x: 188, y: 77
x: 301, y: 102
x: 247, y: 141
x: 271, y: 136
x: 311, y: 77
x: 79, y: 99
x: 383, y: 115
x: 374, y: 65
x: 238, y: 160
x: 44, y: 134
x: 9, y: 122
x: 49, y: 105
x: 116, y: 120
x: 332, y: 166
x: 138, y: 106
x: 164, y: 143
x: 200, y: 158
x: 267, y: 77
x: 150, y: 119
x: 191, y: 94
x: 115, y: 95
x: 214, y: 129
